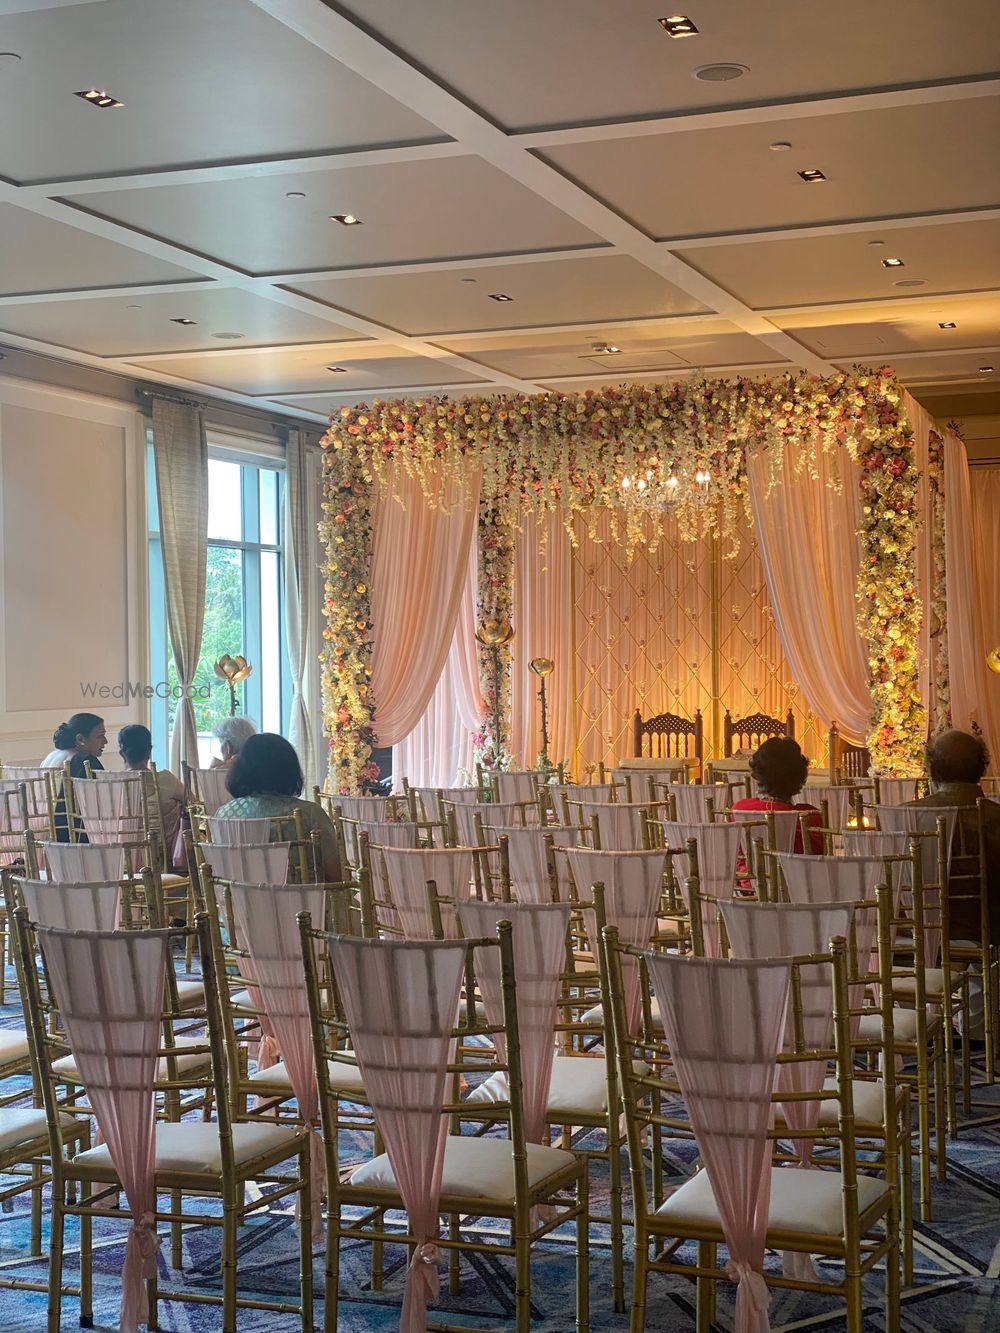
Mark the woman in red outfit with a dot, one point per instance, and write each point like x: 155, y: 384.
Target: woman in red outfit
x: 779, y: 768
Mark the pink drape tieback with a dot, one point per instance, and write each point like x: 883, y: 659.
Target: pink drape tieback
x: 753, y: 1298
x: 140, y: 1264
x: 317, y: 1180
x: 267, y: 1052
x: 423, y: 1284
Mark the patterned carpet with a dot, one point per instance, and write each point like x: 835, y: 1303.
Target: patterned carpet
x: 957, y: 1287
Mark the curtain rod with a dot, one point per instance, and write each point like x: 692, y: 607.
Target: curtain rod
x: 151, y: 394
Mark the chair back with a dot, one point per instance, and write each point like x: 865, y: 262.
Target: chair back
x: 895, y: 791
x: 207, y: 787
x: 711, y: 852
x: 935, y: 827
x: 238, y: 831
x: 87, y: 862
x: 69, y: 906
x: 263, y: 863
x: 835, y: 798
x: 538, y: 939
x: 691, y: 800
x: 510, y: 788
x: 113, y: 806
x: 669, y: 733
x: 847, y: 760
x: 536, y: 874
x: 426, y: 887
x: 507, y: 812
x: 620, y: 826
x: 751, y: 731
x: 785, y: 826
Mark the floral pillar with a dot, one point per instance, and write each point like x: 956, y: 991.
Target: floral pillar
x: 494, y: 599
x: 346, y: 533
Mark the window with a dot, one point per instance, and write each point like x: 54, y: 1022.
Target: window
x: 244, y: 602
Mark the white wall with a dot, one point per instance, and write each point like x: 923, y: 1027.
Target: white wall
x: 72, y: 562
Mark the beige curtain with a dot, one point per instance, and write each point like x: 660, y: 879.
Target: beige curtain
x: 543, y: 623
x: 986, y: 543
x: 972, y: 623
x: 298, y: 545
x: 180, y: 452
x: 419, y: 565
x: 807, y: 536
x: 439, y: 747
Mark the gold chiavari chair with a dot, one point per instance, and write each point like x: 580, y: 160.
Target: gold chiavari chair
x: 206, y: 788
x: 839, y: 1213
x: 504, y: 1178
x: 216, y: 1160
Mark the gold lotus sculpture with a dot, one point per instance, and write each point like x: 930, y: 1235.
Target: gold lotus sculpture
x: 993, y: 659
x: 232, y: 670
x: 494, y: 632
x: 542, y: 666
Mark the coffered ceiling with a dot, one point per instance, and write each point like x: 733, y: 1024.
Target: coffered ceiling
x: 560, y: 154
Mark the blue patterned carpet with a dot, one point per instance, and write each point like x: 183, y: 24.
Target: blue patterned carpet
x: 957, y: 1287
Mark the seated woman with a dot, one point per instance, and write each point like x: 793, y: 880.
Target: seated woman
x: 135, y: 745
x: 779, y: 768
x: 265, y: 781
x: 80, y: 743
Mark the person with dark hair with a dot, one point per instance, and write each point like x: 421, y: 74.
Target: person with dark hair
x: 80, y: 743
x: 779, y: 768
x: 135, y: 745
x: 265, y: 781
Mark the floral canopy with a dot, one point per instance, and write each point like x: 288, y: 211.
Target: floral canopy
x: 637, y: 452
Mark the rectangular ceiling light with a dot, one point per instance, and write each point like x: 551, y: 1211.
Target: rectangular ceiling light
x: 345, y: 219
x: 98, y: 97
x: 678, y: 25
x: 814, y: 174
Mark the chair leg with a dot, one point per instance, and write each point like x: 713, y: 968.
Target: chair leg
x: 940, y: 1132
x: 705, y: 1288
x: 36, y: 1208
x: 617, y: 1229
x: 305, y: 1239
x: 332, y: 1273
x: 924, y: 1138
x: 454, y: 1257
x: 56, y: 1233
x: 378, y: 1266
x: 86, y: 1261
x: 640, y: 1277
x: 522, y: 1282
x: 852, y: 1283
x: 176, y: 1239
x: 583, y: 1251
x: 230, y: 1226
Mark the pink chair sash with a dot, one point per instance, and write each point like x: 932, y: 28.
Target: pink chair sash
x: 111, y: 1001
x: 692, y: 799
x: 718, y: 851
x: 238, y: 831
x: 84, y: 862
x: 724, y: 1021
x: 539, y: 944
x: 380, y: 836
x: 211, y: 789
x: 400, y: 999
x: 529, y: 870
x: 265, y: 918
x: 786, y: 825
x: 838, y: 802
x: 110, y: 806
x: 619, y: 825
x: 409, y: 869
x: 510, y: 787
x: 373, y: 808
x: 68, y: 906
x: 894, y: 791
x: 633, y: 882
x: 263, y: 864
x: 505, y: 813
x: 923, y: 819
x: 12, y: 820
x: 589, y: 793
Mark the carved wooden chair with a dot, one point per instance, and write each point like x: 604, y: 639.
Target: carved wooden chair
x: 848, y: 763
x: 751, y: 731
x: 669, y: 736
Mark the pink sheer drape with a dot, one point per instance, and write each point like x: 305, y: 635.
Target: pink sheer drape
x: 266, y: 864
x: 724, y: 1021
x: 439, y: 747
x: 110, y: 989
x: 419, y: 563
x: 539, y: 945
x: 238, y: 831
x: 974, y: 698
x: 68, y: 906
x: 110, y: 807
x: 543, y: 617
x: 923, y: 819
x: 718, y: 848
x: 265, y: 918
x: 529, y: 868
x: 83, y: 862
x: 400, y: 1000
x: 692, y: 799
x: 807, y: 536
x: 619, y: 826
x: 409, y: 871
x: 632, y: 883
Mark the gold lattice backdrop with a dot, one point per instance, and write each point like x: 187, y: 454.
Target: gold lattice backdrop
x: 644, y: 639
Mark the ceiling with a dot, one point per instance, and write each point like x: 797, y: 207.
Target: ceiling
x: 560, y: 154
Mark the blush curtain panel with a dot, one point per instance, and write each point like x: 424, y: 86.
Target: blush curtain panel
x: 807, y: 536
x: 419, y: 563
x: 180, y: 452
x: 299, y: 537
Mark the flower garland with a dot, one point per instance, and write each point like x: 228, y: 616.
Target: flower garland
x: 346, y: 533
x: 941, y: 717
x: 635, y: 452
x: 890, y: 611
x: 494, y: 598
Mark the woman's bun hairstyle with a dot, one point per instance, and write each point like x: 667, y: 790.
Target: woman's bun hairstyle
x: 64, y: 737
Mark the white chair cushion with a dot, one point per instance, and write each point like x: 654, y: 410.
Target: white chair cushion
x: 66, y: 1067
x: 193, y: 1146
x: 904, y: 1025
x: 596, y: 1014
x: 868, y: 1107
x: 174, y: 881
x: 190, y: 994
x: 802, y: 1199
x: 933, y: 982
x: 344, y: 1078
x: 13, y: 1046
x: 23, y: 1124
x: 475, y: 1168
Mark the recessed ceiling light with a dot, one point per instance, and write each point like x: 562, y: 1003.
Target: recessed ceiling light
x: 605, y: 349
x: 892, y: 263
x: 678, y: 25
x: 98, y: 97
x: 133, y: 307
x: 186, y: 322
x: 9, y: 58
x: 500, y: 296
x: 719, y: 73
x: 338, y: 370
x: 229, y: 337
x: 986, y: 370
x: 345, y: 219
x: 948, y: 324
x: 876, y: 242
x: 295, y: 194
x: 781, y: 146
x: 911, y: 282
x: 812, y: 174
